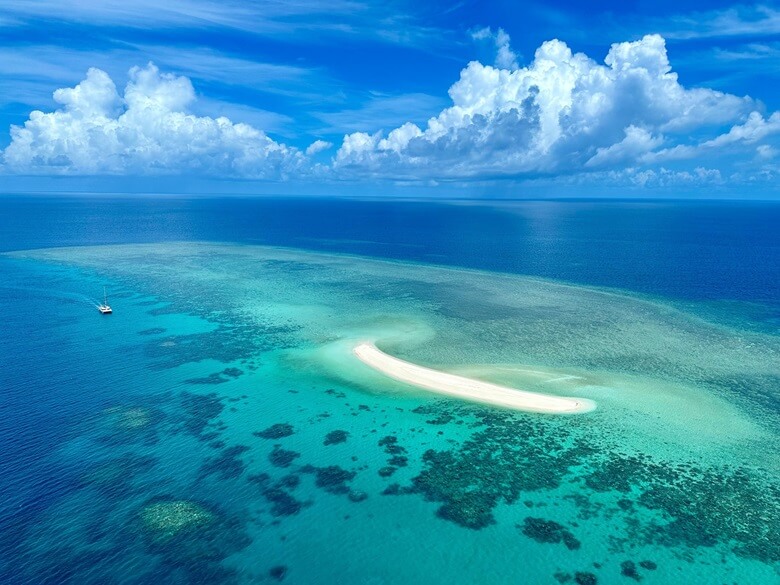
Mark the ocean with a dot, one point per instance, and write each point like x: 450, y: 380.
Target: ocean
x: 217, y: 428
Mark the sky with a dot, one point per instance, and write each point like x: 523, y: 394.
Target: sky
x: 459, y: 99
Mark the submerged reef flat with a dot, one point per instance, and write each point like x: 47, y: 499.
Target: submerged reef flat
x: 509, y: 457
x: 244, y: 442
x: 117, y: 475
x: 679, y: 506
x: 129, y: 424
x: 164, y: 519
x: 189, y: 534
x: 134, y: 418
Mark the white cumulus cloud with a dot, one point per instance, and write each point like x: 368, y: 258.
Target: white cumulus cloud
x: 564, y: 117
x: 637, y: 141
x: 754, y: 129
x: 562, y: 113
x: 505, y: 56
x: 147, y: 130
x: 318, y: 146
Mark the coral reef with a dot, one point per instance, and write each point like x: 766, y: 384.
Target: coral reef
x: 226, y: 465
x: 152, y: 331
x: 511, y: 454
x: 746, y: 519
x: 628, y: 569
x: 335, y: 437
x: 585, y: 578
x: 115, y: 476
x: 276, y: 431
x: 282, y: 457
x: 164, y: 519
x: 123, y: 425
x: 217, y: 377
x: 189, y: 535
x: 278, y: 572
x: 199, y: 412
x: 333, y: 479
x: 283, y: 503
x: 548, y: 531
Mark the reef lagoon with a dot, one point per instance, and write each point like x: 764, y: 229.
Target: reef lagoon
x: 218, y: 429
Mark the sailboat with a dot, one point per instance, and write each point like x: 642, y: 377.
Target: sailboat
x: 104, y: 308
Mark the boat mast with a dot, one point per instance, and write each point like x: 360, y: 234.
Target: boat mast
x: 105, y: 298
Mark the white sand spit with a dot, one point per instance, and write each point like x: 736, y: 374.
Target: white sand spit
x: 467, y: 388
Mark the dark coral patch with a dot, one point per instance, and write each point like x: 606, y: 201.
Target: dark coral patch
x: 260, y: 479
x: 210, y: 380
x: 277, y: 431
x: 628, y: 569
x: 548, y: 531
x: 229, y: 342
x: 398, y: 461
x: 356, y: 496
x: 152, y: 331
x: 470, y: 509
x: 335, y: 437
x: 282, y: 502
x: 391, y: 447
x: 227, y: 465
x: 218, y: 377
x: 440, y: 418
x: 199, y: 411
x: 395, y: 489
x: 585, y: 578
x: 333, y: 479
x: 291, y: 481
x: 282, y: 457
x: 278, y: 572
x: 116, y: 476
x: 388, y: 440
x: 620, y: 473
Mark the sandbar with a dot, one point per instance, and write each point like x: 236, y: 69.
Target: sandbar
x: 467, y: 388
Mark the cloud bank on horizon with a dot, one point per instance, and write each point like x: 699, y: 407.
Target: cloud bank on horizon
x: 148, y: 130
x: 562, y: 117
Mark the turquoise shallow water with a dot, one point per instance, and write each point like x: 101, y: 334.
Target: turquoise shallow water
x: 216, y: 428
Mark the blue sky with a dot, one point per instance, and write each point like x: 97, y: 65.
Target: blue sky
x: 410, y: 98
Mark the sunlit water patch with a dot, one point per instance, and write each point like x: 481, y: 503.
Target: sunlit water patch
x: 218, y: 428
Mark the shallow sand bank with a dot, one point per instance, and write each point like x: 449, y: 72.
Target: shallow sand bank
x: 467, y: 388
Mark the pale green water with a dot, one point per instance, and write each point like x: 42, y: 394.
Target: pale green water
x: 677, y: 466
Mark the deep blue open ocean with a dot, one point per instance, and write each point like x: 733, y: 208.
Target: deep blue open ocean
x: 107, y: 422
x: 683, y: 249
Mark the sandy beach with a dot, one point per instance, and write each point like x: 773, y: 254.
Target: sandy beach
x: 467, y: 388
